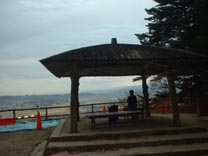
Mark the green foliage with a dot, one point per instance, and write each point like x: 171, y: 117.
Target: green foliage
x: 200, y: 40
x: 180, y: 24
x: 162, y: 90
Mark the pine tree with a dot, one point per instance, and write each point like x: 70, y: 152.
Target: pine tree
x: 180, y: 24
x: 200, y: 39
x: 171, y: 24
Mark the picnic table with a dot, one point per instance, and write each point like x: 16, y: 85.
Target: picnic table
x: 94, y: 116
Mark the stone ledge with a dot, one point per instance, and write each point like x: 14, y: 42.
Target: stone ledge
x: 57, y: 131
x: 40, y: 149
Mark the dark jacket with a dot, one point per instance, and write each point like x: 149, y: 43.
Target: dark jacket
x: 132, y: 102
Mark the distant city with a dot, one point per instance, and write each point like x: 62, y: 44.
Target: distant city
x: 31, y: 101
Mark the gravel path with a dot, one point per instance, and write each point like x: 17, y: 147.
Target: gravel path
x: 22, y: 143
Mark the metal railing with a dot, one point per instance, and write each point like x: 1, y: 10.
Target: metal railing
x: 24, y: 113
x: 60, y: 111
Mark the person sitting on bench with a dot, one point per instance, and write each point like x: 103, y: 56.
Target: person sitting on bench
x: 132, y: 101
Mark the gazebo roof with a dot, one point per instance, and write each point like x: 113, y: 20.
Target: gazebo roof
x: 122, y: 60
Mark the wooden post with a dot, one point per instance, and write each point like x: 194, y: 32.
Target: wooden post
x: 46, y: 113
x: 78, y: 117
x: 92, y: 108
x: 14, y: 114
x: 146, y: 96
x: 74, y: 100
x: 173, y: 98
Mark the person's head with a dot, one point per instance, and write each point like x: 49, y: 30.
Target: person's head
x: 131, y: 92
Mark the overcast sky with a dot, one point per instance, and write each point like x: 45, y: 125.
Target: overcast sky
x: 34, y: 29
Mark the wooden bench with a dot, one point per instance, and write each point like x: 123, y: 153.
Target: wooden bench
x: 139, y: 113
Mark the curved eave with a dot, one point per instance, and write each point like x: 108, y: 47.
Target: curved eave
x: 104, y: 60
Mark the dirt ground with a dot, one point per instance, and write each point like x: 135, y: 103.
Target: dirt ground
x: 22, y: 143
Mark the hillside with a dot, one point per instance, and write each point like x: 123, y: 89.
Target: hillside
x: 27, y: 101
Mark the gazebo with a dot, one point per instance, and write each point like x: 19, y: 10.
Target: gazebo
x: 123, y: 60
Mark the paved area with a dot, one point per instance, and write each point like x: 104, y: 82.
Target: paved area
x: 160, y: 142
x: 103, y: 140
x: 158, y: 137
x: 156, y: 121
x: 194, y: 149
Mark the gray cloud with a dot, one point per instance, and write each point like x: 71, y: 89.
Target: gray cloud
x: 31, y: 30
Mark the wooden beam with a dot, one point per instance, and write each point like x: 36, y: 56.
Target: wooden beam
x: 74, y: 100
x: 173, y: 98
